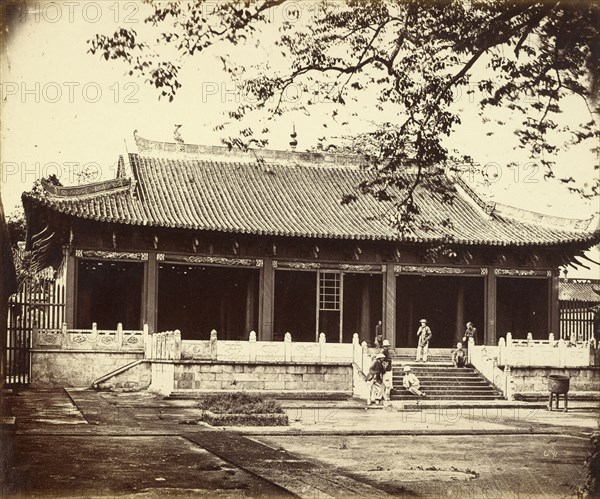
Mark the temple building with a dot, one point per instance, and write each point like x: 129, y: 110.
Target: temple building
x: 199, y: 238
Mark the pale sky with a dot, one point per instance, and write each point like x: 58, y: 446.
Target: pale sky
x: 63, y: 108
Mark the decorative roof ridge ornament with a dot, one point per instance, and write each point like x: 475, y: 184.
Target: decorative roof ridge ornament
x: 128, y: 167
x: 523, y: 215
x: 493, y: 208
x: 293, y: 135
x: 104, y: 187
x: 158, y: 149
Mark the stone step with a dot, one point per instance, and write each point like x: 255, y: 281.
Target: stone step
x: 475, y: 388
x: 446, y: 393
x: 413, y: 356
x: 480, y: 389
x: 430, y: 365
x: 411, y: 397
x: 411, y: 351
x: 450, y: 393
x: 445, y: 378
x: 440, y: 380
x: 446, y: 371
x: 446, y: 382
x: 434, y: 367
x: 430, y: 362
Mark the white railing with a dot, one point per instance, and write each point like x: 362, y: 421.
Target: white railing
x: 91, y: 339
x: 484, y: 358
x: 168, y: 345
x: 544, y: 353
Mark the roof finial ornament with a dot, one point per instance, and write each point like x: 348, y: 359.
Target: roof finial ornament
x: 293, y: 135
x: 177, y: 134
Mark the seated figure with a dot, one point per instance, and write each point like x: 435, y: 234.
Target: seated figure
x: 411, y: 382
x: 459, y: 356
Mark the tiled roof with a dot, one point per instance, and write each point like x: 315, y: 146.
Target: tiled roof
x: 586, y: 291
x: 228, y: 195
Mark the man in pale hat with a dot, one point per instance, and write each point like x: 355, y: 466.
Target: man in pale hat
x: 377, y: 390
x: 411, y: 382
x: 387, y: 376
x: 423, y: 335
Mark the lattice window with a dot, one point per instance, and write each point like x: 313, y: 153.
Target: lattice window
x: 329, y: 291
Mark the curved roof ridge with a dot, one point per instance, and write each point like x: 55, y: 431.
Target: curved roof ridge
x: 149, y: 148
x: 522, y: 214
x: 494, y: 208
x: 100, y: 188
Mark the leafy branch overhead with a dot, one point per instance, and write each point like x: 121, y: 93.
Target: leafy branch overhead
x: 403, y: 58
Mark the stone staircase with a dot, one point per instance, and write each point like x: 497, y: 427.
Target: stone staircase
x: 440, y: 380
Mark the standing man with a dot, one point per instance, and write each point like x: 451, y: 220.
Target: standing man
x: 377, y: 390
x: 387, y: 376
x: 378, y: 334
x: 423, y: 335
x: 470, y: 332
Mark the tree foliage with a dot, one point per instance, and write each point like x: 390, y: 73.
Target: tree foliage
x: 402, y: 57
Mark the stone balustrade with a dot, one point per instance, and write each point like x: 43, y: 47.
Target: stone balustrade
x: 93, y: 339
x: 544, y: 353
x: 484, y: 358
x: 168, y: 345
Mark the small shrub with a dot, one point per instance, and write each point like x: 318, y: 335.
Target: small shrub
x: 239, y: 403
x: 214, y: 419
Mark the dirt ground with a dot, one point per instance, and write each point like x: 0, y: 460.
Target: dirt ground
x: 100, y: 466
x: 492, y: 466
x: 91, y: 444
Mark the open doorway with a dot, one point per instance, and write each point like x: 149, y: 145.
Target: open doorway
x: 363, y: 305
x: 295, y: 305
x: 197, y: 299
x: 447, y: 303
x: 109, y: 293
x: 522, y: 307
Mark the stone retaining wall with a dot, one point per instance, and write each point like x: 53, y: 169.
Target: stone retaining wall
x: 534, y: 380
x: 75, y: 369
x: 236, y: 376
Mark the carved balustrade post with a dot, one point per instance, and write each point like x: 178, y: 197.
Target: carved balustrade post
x: 322, y: 341
x: 213, y: 344
x: 252, y: 346
x: 287, y: 347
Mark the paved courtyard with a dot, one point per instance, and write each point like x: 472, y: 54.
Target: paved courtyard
x: 86, y: 443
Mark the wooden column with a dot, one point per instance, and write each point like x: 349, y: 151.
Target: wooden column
x: 460, y: 312
x: 150, y: 293
x: 70, y: 288
x: 553, y: 305
x: 250, y: 304
x: 266, y: 300
x: 389, y: 305
x: 367, y: 329
x: 341, y: 313
x: 489, y: 335
x: 409, y: 337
